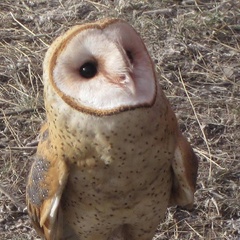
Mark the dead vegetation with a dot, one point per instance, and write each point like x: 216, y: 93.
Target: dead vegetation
x: 195, y: 46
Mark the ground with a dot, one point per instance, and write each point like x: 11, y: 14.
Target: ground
x: 195, y: 47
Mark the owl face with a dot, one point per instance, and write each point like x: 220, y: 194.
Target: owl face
x: 101, y: 67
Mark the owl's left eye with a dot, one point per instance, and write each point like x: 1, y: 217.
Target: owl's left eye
x: 88, y: 70
x: 130, y: 56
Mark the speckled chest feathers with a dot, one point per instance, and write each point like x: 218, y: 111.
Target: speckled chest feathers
x: 119, y: 165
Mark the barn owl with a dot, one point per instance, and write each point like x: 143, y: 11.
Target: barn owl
x: 111, y: 157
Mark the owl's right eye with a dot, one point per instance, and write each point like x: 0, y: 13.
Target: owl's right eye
x: 88, y: 70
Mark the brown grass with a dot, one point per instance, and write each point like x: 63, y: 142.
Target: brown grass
x: 195, y: 45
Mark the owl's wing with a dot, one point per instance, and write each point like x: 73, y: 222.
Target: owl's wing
x: 45, y: 186
x: 185, y: 166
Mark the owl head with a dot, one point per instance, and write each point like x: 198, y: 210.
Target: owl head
x: 100, y: 68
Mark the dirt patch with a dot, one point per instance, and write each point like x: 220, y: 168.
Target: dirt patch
x: 195, y: 46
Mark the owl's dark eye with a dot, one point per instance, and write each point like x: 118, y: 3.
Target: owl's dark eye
x: 88, y: 70
x: 130, y: 56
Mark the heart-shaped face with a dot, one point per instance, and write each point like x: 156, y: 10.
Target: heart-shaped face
x: 101, y: 67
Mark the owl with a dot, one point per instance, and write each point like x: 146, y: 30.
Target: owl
x: 111, y: 157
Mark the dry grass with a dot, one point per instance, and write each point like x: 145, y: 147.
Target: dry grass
x: 195, y: 46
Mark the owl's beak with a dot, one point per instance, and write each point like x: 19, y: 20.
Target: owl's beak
x: 127, y: 83
x: 124, y: 81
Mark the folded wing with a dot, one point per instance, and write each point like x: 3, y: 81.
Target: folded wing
x: 185, y: 166
x: 46, y: 182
